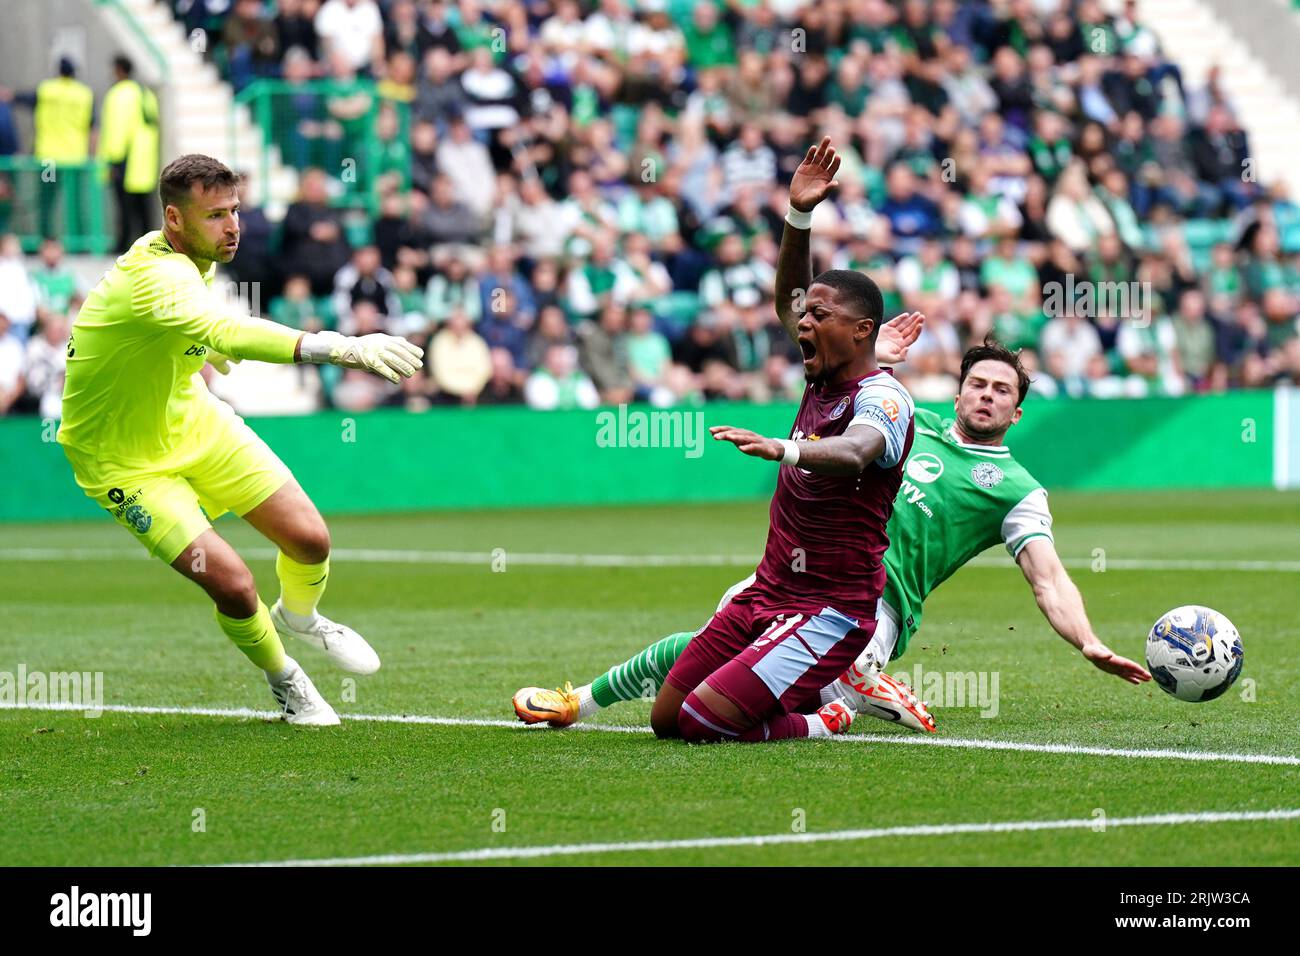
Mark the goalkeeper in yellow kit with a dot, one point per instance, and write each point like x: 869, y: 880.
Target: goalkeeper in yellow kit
x: 156, y: 449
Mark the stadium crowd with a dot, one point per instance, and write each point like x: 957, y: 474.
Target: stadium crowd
x: 590, y: 199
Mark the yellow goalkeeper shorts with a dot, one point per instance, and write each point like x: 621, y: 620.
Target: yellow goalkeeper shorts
x: 230, y: 469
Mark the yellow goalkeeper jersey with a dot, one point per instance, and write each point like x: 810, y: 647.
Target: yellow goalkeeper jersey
x: 132, y: 395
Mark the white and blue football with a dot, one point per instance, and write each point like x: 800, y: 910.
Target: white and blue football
x: 1194, y: 653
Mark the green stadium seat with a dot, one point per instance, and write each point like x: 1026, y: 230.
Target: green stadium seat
x: 1205, y: 233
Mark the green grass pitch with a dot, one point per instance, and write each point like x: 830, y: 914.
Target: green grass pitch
x: 458, y: 638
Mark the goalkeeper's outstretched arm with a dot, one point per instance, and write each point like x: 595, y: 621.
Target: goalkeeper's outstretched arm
x: 172, y: 295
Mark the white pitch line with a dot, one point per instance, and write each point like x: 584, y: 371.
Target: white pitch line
x: 776, y: 839
x: 1078, y: 750
x: 576, y: 560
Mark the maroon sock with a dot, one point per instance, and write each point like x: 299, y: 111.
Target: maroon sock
x: 699, y: 724
x: 778, y: 728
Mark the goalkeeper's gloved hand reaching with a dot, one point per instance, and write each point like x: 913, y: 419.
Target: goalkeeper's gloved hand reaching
x: 388, y: 355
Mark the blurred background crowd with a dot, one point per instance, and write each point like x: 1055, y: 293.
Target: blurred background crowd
x: 571, y: 203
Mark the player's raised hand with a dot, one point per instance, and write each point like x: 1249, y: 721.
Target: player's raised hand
x: 751, y: 443
x: 389, y: 356
x: 1107, y: 660
x: 815, y: 177
x: 896, y: 337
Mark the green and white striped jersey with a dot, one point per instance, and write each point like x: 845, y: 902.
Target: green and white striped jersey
x: 955, y: 501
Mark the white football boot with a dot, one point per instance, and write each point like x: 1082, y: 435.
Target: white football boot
x: 300, y: 701
x: 869, y: 690
x: 345, y: 647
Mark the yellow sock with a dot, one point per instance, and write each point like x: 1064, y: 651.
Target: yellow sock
x: 256, y: 637
x: 301, y: 585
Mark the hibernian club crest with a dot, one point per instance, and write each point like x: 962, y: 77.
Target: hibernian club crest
x: 986, y: 474
x: 138, y: 519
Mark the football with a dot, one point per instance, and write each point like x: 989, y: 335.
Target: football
x: 1194, y: 653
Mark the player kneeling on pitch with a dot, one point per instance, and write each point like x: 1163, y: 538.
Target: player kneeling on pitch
x: 755, y: 670
x: 963, y: 492
x: 164, y: 456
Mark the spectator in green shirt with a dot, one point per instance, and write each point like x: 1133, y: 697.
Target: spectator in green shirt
x: 649, y: 358
x: 295, y: 307
x: 56, y: 284
x: 709, y: 38
x: 1194, y: 338
x: 1006, y: 270
x: 1223, y: 278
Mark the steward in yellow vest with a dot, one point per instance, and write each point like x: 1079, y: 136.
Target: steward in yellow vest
x: 128, y: 142
x: 64, y: 109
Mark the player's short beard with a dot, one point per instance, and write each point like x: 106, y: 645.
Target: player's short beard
x: 981, y: 431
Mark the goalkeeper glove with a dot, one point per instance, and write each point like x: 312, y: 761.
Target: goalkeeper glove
x: 388, y: 355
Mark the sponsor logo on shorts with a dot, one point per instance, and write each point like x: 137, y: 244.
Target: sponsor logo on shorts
x: 133, y: 515
x: 986, y: 474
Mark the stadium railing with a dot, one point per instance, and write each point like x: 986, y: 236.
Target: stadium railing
x: 39, y: 199
x: 317, y: 124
